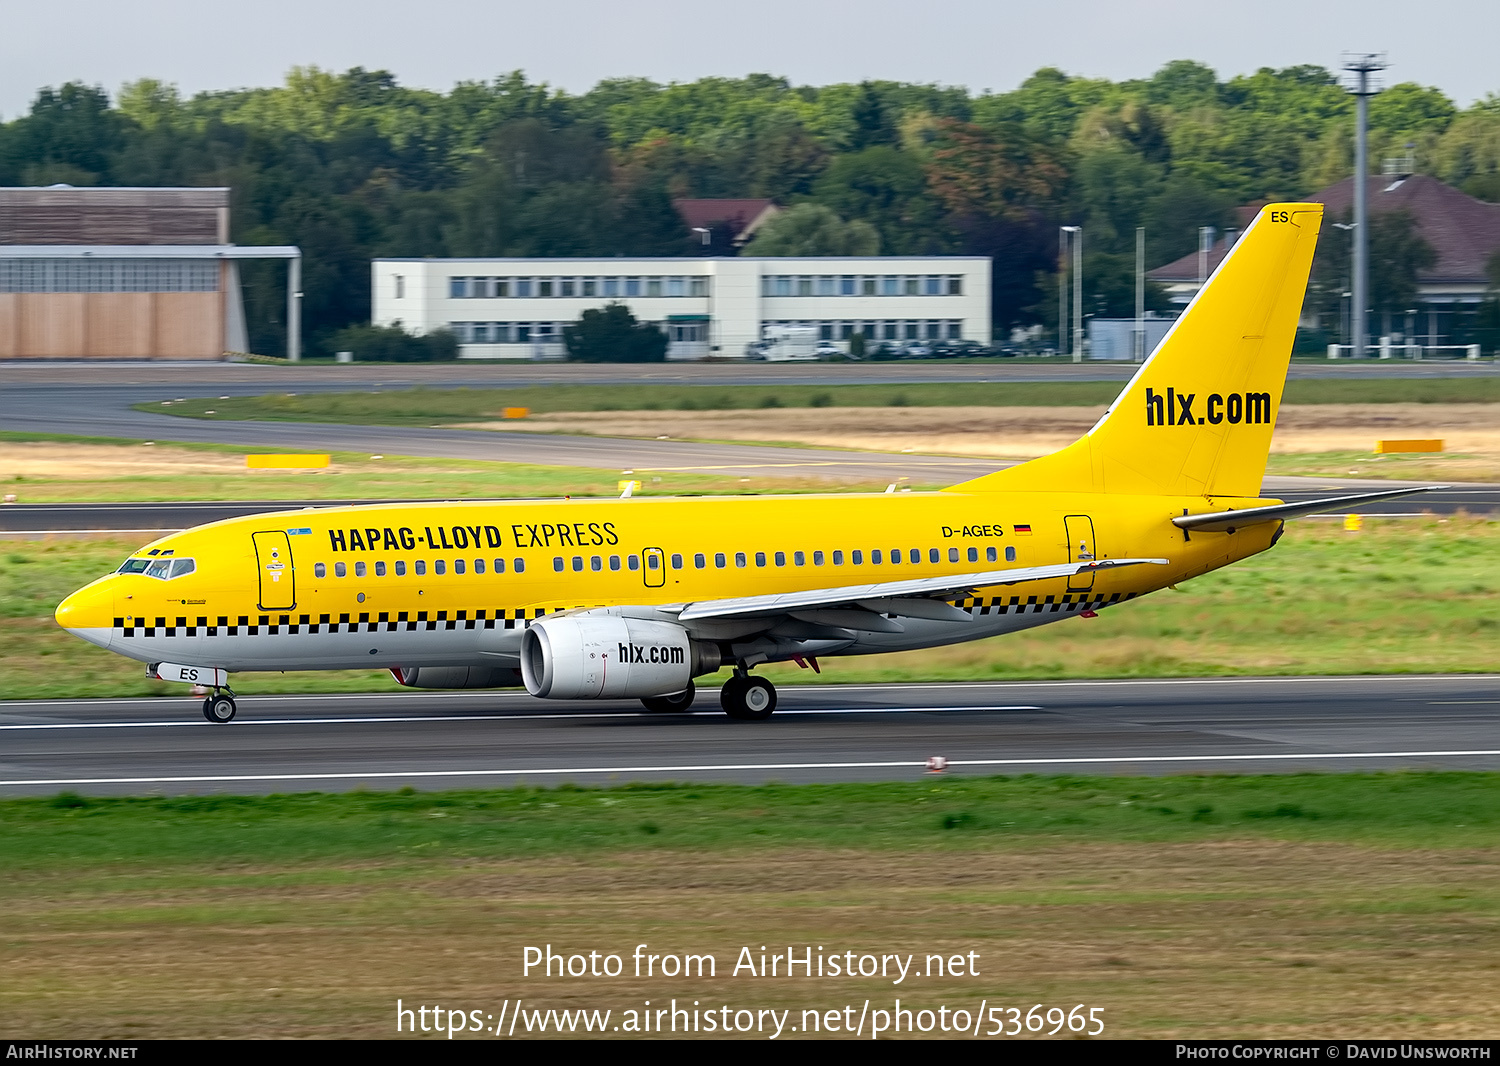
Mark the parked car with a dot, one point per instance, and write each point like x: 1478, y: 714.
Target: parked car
x: 828, y: 350
x: 918, y: 350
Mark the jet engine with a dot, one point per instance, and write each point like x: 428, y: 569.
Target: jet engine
x: 586, y: 657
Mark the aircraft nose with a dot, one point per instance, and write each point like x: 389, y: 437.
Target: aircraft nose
x: 88, y: 613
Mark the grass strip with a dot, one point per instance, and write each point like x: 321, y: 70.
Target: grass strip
x: 428, y: 406
x: 1411, y: 809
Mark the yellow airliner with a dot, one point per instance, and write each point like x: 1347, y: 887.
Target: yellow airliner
x: 634, y: 598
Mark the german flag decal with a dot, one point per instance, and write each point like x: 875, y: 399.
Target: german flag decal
x: 1022, y: 531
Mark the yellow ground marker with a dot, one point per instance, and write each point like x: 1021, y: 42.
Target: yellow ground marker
x: 1353, y: 523
x: 1385, y: 447
x: 286, y: 462
x: 516, y: 412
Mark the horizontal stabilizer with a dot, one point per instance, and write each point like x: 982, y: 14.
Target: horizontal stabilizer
x: 854, y: 595
x: 1229, y: 521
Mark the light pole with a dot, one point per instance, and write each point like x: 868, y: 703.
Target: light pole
x: 1073, y: 235
x: 1362, y: 66
x: 1348, y: 323
x: 1138, y: 341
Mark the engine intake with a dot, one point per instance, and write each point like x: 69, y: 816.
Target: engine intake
x: 588, y: 657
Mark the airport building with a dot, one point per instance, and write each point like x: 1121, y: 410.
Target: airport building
x: 708, y: 307
x: 114, y: 273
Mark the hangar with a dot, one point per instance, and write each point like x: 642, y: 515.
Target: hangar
x: 120, y: 273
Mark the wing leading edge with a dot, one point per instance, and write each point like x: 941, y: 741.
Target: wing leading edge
x: 913, y: 598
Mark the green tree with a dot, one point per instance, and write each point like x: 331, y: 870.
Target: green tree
x: 612, y: 335
x: 812, y: 229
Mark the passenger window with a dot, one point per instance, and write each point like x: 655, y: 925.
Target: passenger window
x: 974, y: 555
x: 916, y: 555
x: 875, y: 557
x: 520, y: 566
x: 478, y: 566
x: 760, y: 558
x: 989, y: 554
x: 799, y: 559
x: 719, y: 560
x: 359, y: 569
x: 699, y: 561
x: 338, y: 570
x: 557, y: 564
x: 634, y: 563
x: 857, y: 557
x: 953, y: 554
x: 739, y: 559
x: 895, y: 555
x: 614, y: 562
x: 458, y: 566
x: 838, y: 558
x: 1010, y: 555
x: 817, y: 558
x: 499, y: 566
x: 596, y: 562
x: 578, y: 564
x: 439, y: 566
x: 781, y: 558
x: 400, y: 567
x: 933, y: 555
x: 419, y: 567
x: 676, y: 561
x: 320, y: 570
x: 380, y: 569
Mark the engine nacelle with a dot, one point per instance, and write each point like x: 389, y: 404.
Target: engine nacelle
x: 456, y: 676
x: 587, y: 657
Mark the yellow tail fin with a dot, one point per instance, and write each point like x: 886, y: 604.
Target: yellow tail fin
x: 1197, y: 417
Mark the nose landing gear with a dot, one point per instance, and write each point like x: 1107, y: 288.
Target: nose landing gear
x: 748, y: 698
x: 219, y: 708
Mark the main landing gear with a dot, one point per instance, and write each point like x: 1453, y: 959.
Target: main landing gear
x: 219, y: 708
x: 748, y: 698
x: 674, y: 704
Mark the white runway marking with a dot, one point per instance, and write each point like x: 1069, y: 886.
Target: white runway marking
x: 553, y: 716
x: 158, y: 701
x: 717, y: 767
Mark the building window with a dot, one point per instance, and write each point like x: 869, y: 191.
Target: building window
x: 867, y: 286
x: 458, y: 288
x: 932, y: 285
x: 913, y: 284
x: 890, y: 285
x: 653, y: 286
x: 567, y: 286
x: 699, y: 285
x: 847, y: 285
x: 611, y: 286
x: 632, y: 286
x: 826, y: 285
x: 804, y: 286
x: 677, y: 286
x: 589, y: 286
x: 956, y: 285
x: 502, y: 287
x: 544, y: 286
x: 955, y: 329
x: 523, y: 288
x: 400, y: 287
x: 783, y: 286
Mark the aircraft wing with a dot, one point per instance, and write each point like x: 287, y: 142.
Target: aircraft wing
x: 1229, y: 521
x: 916, y: 598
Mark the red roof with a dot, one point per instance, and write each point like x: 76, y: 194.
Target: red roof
x: 1464, y: 232
x: 740, y: 214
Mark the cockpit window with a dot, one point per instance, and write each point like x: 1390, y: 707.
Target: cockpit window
x: 163, y: 568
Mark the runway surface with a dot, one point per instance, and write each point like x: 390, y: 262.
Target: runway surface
x: 51, y: 519
x: 842, y: 733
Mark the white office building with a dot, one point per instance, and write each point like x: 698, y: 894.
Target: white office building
x: 517, y: 308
